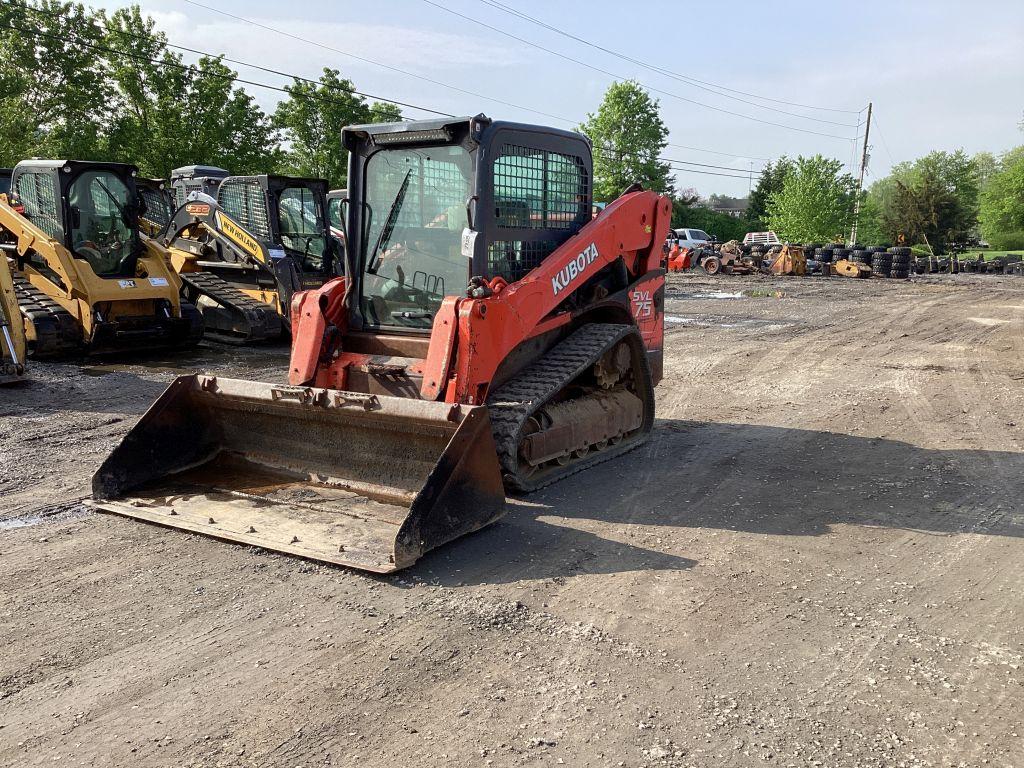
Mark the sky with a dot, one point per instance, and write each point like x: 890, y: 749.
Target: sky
x: 941, y: 74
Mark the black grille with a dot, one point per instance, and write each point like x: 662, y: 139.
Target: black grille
x: 514, y: 259
x: 246, y: 202
x: 538, y: 189
x: 37, y: 193
x: 156, y: 207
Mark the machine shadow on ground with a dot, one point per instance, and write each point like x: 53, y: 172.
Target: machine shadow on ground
x: 737, y: 477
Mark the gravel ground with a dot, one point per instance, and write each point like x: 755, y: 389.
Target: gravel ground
x: 815, y: 561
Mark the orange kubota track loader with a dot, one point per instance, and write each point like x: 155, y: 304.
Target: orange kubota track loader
x: 413, y: 401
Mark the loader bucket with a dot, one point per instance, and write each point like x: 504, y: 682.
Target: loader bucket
x: 359, y: 480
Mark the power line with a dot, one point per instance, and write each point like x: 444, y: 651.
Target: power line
x: 622, y: 77
x: 884, y: 143
x: 308, y: 97
x: 378, y: 63
x: 430, y: 80
x: 717, y: 152
x: 193, y: 68
x: 689, y: 80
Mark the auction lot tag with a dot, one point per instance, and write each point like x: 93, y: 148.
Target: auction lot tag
x: 126, y: 283
x: 158, y: 282
x: 468, y: 242
x: 276, y: 253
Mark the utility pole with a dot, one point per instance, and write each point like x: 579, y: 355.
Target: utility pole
x: 860, y: 183
x: 750, y: 182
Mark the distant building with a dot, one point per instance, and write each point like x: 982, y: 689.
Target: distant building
x: 730, y: 206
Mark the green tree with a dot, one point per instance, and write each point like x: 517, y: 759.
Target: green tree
x: 927, y: 210
x: 167, y: 114
x: 628, y: 135
x: 768, y: 183
x: 53, y: 92
x: 721, y: 225
x: 815, y: 202
x: 312, y: 118
x: 1002, y: 202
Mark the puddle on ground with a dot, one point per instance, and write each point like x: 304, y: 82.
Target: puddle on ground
x: 677, y: 294
x: 19, y: 522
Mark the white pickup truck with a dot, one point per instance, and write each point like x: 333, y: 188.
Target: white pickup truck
x: 692, y: 238
x: 761, y: 238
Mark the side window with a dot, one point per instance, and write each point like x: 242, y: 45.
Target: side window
x: 538, y: 189
x: 245, y: 201
x: 36, y: 192
x: 334, y: 212
x: 302, y: 226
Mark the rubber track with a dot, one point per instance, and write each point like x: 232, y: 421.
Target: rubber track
x: 233, y: 299
x: 515, y: 401
x: 51, y: 321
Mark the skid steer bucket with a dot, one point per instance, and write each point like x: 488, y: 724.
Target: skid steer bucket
x: 358, y: 480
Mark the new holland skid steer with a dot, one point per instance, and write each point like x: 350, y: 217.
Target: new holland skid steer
x: 245, y: 244
x: 85, y: 279
x: 488, y: 335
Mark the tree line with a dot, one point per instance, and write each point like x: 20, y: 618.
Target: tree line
x: 940, y: 199
x: 76, y: 83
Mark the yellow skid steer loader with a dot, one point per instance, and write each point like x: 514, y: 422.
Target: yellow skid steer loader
x: 84, y: 277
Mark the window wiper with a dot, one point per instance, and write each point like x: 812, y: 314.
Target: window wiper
x: 120, y: 208
x: 389, y: 225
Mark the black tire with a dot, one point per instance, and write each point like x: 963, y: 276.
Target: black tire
x: 711, y: 265
x: 899, y: 258
x: 900, y: 250
x: 840, y: 253
x: 876, y: 249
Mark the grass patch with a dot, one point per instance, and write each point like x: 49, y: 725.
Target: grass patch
x: 989, y: 255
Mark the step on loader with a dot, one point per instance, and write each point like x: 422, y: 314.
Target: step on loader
x: 85, y: 278
x: 13, y: 347
x: 244, y: 245
x: 489, y: 335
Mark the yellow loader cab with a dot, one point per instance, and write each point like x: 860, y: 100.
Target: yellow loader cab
x: 85, y: 279
x: 245, y: 245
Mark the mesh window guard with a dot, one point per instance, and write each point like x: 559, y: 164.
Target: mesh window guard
x: 538, y: 189
x: 36, y: 192
x: 246, y: 202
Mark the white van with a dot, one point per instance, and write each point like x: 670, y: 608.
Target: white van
x: 692, y: 238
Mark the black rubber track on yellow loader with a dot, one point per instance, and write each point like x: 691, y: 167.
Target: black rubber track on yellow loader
x: 56, y: 330
x: 260, y: 321
x: 512, y: 404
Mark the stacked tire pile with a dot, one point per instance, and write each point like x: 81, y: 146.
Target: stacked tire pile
x: 828, y: 255
x: 901, y: 266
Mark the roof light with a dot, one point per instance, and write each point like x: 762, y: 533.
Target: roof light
x: 413, y: 137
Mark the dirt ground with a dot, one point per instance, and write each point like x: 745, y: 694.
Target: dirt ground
x: 817, y: 560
